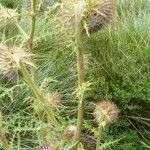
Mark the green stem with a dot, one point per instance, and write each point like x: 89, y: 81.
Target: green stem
x: 33, y: 20
x: 100, y: 130
x: 39, y: 96
x: 4, y: 141
x: 80, y: 70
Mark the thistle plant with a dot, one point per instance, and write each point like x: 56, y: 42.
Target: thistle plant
x: 18, y: 61
x: 105, y: 113
x: 85, y: 16
x: 3, y: 138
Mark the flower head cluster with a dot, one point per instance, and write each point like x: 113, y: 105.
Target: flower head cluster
x: 106, y: 112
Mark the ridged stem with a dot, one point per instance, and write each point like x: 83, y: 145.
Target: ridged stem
x: 33, y: 21
x: 39, y: 95
x: 99, y: 136
x: 80, y: 71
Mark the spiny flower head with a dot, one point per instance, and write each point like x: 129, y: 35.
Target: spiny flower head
x: 69, y: 132
x: 54, y: 99
x: 106, y: 112
x: 10, y: 59
x: 96, y: 14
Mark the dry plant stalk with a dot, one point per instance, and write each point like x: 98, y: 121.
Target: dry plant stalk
x: 80, y: 67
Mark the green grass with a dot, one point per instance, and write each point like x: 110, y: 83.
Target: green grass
x: 117, y: 64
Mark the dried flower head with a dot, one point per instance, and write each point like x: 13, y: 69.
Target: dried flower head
x: 50, y: 145
x: 69, y: 132
x: 7, y: 14
x: 54, y: 99
x: 10, y: 59
x: 96, y: 14
x: 106, y: 112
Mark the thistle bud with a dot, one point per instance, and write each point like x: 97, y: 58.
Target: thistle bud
x: 10, y: 59
x: 96, y: 15
x: 69, y: 132
x: 54, y: 99
x: 106, y: 112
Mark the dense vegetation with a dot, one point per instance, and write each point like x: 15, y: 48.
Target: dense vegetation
x: 117, y: 64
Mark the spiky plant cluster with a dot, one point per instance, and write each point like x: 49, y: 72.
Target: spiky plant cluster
x: 96, y: 15
x: 10, y: 58
x: 7, y: 14
x: 106, y: 112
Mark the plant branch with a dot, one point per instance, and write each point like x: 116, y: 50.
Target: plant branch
x: 39, y: 96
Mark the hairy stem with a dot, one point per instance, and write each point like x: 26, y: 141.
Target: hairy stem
x: 80, y: 70
x: 100, y: 130
x: 39, y: 96
x: 33, y: 21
